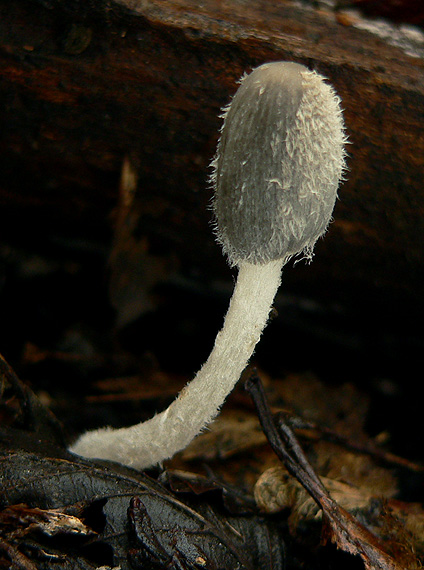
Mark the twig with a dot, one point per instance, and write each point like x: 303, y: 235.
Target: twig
x: 284, y: 443
x: 341, y: 527
x: 34, y: 416
x: 367, y: 448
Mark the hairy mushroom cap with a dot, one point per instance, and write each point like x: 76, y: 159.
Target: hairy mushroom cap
x: 278, y: 164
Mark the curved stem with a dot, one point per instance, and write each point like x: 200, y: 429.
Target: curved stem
x: 159, y: 438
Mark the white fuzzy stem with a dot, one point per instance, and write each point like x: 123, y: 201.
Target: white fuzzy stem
x: 165, y: 434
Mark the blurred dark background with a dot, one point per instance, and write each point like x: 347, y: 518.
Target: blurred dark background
x: 90, y: 266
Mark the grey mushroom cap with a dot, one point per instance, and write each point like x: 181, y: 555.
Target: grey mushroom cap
x: 278, y: 164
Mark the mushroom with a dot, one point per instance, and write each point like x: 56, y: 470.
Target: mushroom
x: 278, y: 165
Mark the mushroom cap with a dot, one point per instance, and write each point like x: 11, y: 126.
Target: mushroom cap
x: 278, y: 164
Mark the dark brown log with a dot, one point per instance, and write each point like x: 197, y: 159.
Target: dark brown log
x: 82, y: 85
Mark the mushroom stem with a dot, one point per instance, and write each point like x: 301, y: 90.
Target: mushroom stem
x: 198, y: 403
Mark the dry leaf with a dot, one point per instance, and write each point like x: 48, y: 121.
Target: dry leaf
x: 232, y: 433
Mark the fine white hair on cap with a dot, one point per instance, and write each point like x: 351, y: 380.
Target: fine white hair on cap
x: 278, y: 164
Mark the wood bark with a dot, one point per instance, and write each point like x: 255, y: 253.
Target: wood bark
x: 85, y: 84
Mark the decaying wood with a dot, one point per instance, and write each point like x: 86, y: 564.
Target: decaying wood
x: 84, y: 86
